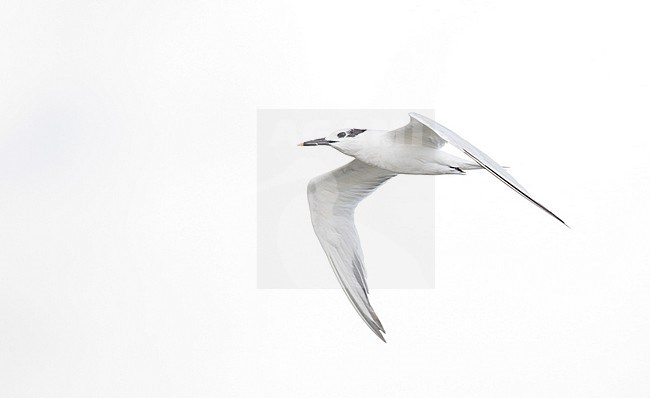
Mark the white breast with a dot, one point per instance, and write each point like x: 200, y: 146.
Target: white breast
x: 406, y: 159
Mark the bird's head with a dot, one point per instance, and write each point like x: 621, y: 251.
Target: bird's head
x: 345, y: 141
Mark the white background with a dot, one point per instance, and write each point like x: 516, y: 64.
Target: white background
x: 128, y: 196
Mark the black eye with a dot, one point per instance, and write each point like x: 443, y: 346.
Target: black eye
x: 340, y: 135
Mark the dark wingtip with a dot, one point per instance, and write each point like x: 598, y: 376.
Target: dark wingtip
x: 379, y: 331
x: 556, y: 217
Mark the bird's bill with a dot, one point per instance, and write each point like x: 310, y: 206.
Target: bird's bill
x: 317, y: 141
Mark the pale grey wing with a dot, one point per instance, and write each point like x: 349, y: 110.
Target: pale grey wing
x: 417, y: 133
x: 439, y: 134
x: 332, y: 199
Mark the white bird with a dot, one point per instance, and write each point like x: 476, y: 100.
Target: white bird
x: 380, y: 155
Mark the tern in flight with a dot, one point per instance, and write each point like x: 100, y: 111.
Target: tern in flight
x: 378, y: 156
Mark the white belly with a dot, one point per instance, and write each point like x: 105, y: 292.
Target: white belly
x: 414, y: 159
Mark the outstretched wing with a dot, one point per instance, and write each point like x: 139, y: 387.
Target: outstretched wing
x: 436, y: 135
x: 332, y: 199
